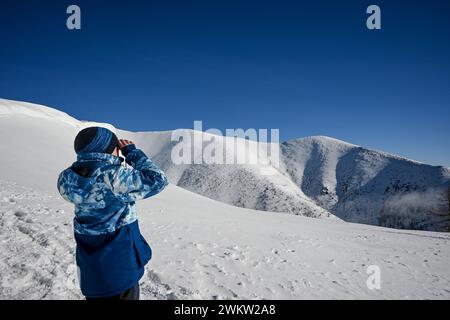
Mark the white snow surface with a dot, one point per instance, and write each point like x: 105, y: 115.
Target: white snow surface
x: 203, y: 248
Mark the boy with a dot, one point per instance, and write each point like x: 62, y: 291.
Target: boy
x: 111, y: 252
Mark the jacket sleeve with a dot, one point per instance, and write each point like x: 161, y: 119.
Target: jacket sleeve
x: 144, y: 180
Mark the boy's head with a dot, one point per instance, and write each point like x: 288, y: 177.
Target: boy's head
x: 95, y: 139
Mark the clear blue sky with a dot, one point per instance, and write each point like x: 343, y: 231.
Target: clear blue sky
x: 307, y: 68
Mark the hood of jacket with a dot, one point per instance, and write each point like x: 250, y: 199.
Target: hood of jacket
x: 77, y: 184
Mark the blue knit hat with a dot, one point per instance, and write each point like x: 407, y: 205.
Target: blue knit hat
x: 95, y: 139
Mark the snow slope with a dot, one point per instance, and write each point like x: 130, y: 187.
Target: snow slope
x: 37, y: 142
x: 205, y: 249
x: 202, y: 248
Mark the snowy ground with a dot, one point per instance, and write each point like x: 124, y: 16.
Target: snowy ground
x: 209, y: 250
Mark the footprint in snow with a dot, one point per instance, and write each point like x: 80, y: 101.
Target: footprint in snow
x: 20, y: 214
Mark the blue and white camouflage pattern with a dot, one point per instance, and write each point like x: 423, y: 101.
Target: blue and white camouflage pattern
x: 105, y: 200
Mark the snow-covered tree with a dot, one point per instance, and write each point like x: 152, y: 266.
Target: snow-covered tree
x: 439, y: 214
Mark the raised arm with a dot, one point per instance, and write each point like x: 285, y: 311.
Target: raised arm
x: 143, y: 180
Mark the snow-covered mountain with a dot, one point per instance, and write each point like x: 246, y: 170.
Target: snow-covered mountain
x: 240, y: 185
x: 317, y: 175
x: 368, y: 186
x: 202, y: 248
x: 353, y: 183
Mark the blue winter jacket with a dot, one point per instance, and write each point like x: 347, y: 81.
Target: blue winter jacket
x: 111, y: 252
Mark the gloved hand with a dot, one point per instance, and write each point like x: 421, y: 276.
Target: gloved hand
x: 126, y: 146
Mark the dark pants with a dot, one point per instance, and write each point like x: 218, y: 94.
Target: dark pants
x: 129, y: 294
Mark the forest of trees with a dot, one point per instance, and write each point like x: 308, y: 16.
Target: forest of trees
x: 429, y: 210
x: 441, y: 212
